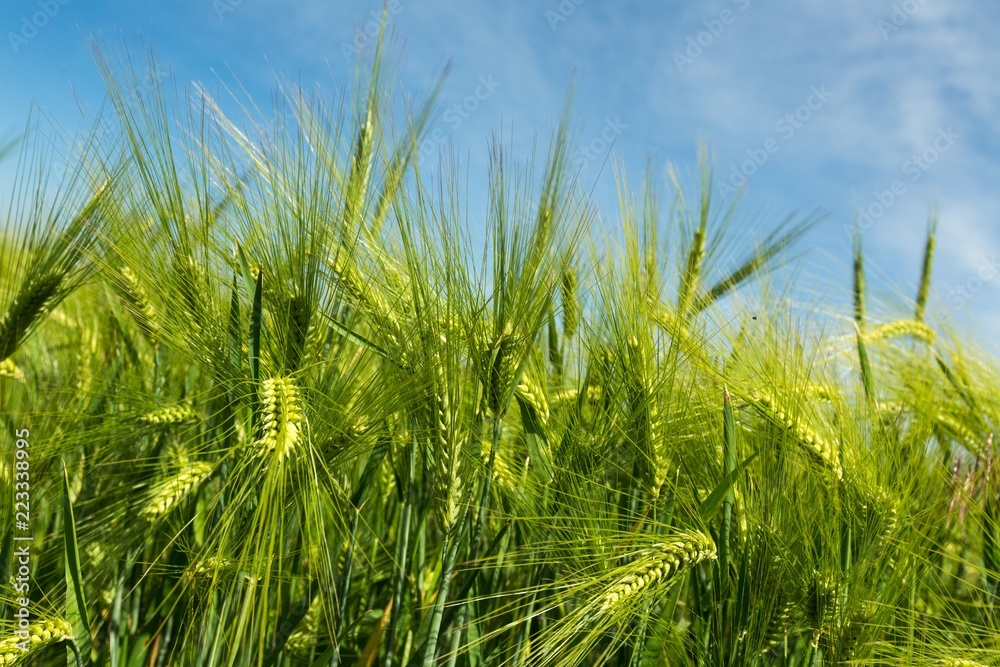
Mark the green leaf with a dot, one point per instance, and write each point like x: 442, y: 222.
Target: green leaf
x: 76, y: 603
x: 711, y: 504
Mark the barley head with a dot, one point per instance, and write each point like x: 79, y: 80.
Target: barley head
x: 282, y: 418
x: 167, y: 494
x: 571, y: 307
x: 8, y: 369
x: 807, y: 437
x: 534, y: 395
x: 661, y: 563
x: 29, y: 306
x: 171, y: 414
x: 40, y: 634
x: 142, y: 311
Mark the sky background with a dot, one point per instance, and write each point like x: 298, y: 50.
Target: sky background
x: 828, y: 105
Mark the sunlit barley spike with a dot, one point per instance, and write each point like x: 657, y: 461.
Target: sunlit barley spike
x: 806, y: 436
x: 29, y: 306
x: 451, y: 483
x: 565, y: 396
x: 142, y: 312
x: 899, y: 329
x: 534, y: 395
x: 960, y: 662
x: 658, y: 564
x: 167, y: 494
x: 859, y: 281
x: 501, y: 371
x: 8, y: 369
x: 15, y: 649
x: 819, y: 391
x: 282, y: 418
x: 692, y: 276
x: 570, y: 304
x: 191, y: 282
x: 959, y: 432
x: 171, y: 414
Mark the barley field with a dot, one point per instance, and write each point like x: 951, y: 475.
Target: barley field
x: 271, y: 394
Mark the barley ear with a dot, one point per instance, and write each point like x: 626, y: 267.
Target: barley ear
x: 859, y: 281
x: 661, y: 563
x: 42, y: 633
x: 281, y: 418
x: 925, y: 269
x: 167, y: 494
x: 30, y: 305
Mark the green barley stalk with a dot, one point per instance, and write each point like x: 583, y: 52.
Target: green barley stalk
x: 729, y: 467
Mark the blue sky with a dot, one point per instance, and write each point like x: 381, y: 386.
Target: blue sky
x: 878, y: 106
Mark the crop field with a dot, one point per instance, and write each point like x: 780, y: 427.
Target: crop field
x: 273, y: 393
